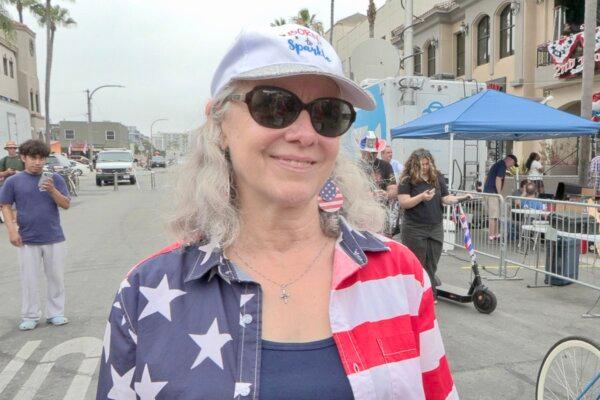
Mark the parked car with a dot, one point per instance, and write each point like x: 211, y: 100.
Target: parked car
x: 117, y: 160
x: 80, y: 169
x: 57, y: 162
x: 80, y: 159
x: 159, y: 161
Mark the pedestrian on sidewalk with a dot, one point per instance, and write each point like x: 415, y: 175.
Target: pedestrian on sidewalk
x: 277, y: 288
x: 423, y: 193
x: 37, y: 233
x: 10, y: 164
x: 494, y: 184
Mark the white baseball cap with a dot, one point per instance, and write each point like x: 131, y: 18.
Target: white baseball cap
x: 287, y: 50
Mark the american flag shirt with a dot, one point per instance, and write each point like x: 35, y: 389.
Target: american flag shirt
x: 186, y: 324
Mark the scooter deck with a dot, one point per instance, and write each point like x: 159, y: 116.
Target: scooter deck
x: 454, y: 293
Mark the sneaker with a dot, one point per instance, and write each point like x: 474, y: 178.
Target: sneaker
x: 28, y: 325
x: 58, y: 320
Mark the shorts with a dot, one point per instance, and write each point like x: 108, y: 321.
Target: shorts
x: 493, y: 207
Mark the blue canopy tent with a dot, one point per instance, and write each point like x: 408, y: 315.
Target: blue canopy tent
x: 493, y: 115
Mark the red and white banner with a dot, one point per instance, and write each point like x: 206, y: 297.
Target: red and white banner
x: 562, y: 50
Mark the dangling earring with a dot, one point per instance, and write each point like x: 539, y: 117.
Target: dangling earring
x: 331, y: 201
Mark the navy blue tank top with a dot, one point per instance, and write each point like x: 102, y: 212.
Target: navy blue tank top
x: 301, y: 371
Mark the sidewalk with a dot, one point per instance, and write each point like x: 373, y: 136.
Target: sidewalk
x: 497, y: 356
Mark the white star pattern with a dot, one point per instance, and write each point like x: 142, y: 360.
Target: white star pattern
x: 208, y: 249
x: 210, y: 345
x: 159, y: 299
x: 241, y: 389
x: 121, y: 389
x: 133, y: 336
x: 117, y: 305
x: 106, y: 342
x: 146, y: 389
x: 245, y: 298
x: 124, y: 284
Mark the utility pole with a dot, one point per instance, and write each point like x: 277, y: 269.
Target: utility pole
x: 409, y: 61
x: 587, y: 84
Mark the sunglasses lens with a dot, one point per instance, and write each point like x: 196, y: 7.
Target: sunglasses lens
x: 274, y: 108
x: 331, y: 117
x: 277, y: 108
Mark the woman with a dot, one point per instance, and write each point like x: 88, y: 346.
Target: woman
x: 423, y: 193
x: 270, y: 292
x: 535, y: 171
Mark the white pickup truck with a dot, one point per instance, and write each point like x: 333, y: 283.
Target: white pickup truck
x: 111, y: 161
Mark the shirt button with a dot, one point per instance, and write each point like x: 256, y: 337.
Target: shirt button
x: 247, y: 319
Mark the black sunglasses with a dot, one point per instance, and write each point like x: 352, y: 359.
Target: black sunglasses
x: 274, y: 107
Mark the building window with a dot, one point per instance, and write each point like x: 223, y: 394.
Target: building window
x: 507, y: 33
x: 460, y: 54
x: 31, y: 48
x: 31, y: 105
x: 69, y: 134
x: 430, y: 60
x: 417, y: 53
x: 37, y: 102
x: 5, y: 64
x: 110, y: 135
x: 483, y: 41
x: 11, y: 66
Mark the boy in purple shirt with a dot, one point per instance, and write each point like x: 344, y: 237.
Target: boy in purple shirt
x: 37, y: 233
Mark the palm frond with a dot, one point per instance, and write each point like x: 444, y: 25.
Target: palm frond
x: 6, y: 23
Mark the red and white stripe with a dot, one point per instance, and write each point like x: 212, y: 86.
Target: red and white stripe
x: 383, y: 322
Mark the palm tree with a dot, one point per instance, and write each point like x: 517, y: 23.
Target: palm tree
x: 22, y: 4
x: 331, y: 24
x: 51, y: 17
x: 305, y: 18
x: 278, y: 22
x: 371, y: 13
x: 6, y: 25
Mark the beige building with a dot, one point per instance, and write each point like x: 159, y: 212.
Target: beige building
x: 18, y: 73
x: 351, y: 31
x: 172, y: 142
x: 500, y: 42
x: 100, y: 135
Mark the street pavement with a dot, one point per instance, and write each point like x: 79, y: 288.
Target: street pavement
x: 493, y: 356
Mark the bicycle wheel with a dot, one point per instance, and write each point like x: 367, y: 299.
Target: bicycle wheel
x: 72, y: 189
x: 570, y: 371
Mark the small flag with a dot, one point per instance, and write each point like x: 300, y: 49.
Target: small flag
x: 330, y: 197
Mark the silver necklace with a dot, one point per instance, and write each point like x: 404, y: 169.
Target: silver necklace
x: 285, y: 295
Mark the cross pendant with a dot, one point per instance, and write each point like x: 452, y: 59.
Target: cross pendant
x: 284, y: 295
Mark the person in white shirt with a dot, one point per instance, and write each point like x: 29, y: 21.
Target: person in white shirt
x: 535, y: 171
x: 386, y: 155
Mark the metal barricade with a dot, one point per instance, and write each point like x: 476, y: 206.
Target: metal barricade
x: 558, y: 240
x: 486, y: 242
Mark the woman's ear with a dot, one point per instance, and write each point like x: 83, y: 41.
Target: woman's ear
x: 208, y: 108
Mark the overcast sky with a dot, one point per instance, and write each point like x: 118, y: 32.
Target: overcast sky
x: 164, y: 52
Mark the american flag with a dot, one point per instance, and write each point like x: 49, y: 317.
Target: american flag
x: 330, y: 197
x: 462, y: 218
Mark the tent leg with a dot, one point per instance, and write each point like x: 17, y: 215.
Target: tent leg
x: 450, y: 161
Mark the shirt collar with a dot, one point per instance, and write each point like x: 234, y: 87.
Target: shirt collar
x: 211, y: 259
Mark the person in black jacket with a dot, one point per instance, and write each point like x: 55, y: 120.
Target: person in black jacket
x: 422, y: 193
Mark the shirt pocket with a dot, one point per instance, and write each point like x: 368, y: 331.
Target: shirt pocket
x: 398, y: 347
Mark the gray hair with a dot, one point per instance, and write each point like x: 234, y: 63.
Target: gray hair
x: 205, y: 198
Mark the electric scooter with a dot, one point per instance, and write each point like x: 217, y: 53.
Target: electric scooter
x: 482, y: 297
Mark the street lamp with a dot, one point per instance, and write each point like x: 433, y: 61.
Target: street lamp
x: 89, y: 98
x: 150, y: 149
x: 89, y: 113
